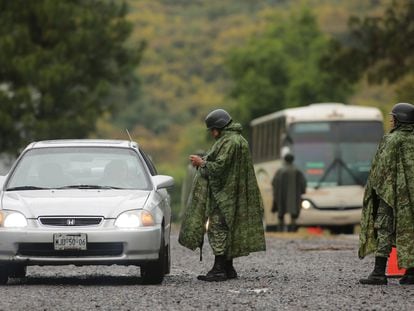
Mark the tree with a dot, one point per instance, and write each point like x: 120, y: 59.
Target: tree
x: 58, y: 62
x: 378, y: 47
x: 282, y: 68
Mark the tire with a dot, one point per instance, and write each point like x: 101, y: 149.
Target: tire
x: 4, y: 274
x: 168, y: 256
x: 153, y: 272
x: 346, y: 229
x: 18, y: 271
x: 168, y: 259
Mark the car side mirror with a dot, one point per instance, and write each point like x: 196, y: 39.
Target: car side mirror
x: 162, y: 181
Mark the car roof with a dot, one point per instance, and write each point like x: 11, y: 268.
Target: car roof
x: 83, y: 143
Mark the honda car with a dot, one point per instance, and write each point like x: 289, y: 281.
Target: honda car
x: 85, y: 202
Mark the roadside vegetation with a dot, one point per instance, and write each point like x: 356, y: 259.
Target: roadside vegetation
x: 96, y: 68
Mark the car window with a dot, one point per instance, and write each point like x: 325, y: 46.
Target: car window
x: 149, y: 163
x: 86, y: 166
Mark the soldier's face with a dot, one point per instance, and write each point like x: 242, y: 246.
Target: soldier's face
x: 215, y: 133
x: 392, y: 121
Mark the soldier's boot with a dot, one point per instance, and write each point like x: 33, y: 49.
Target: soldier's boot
x: 218, y: 272
x: 377, y: 277
x: 230, y: 271
x: 408, y: 278
x: 292, y: 226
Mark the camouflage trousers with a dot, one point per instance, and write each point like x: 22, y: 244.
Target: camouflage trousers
x: 384, y: 225
x: 217, y: 232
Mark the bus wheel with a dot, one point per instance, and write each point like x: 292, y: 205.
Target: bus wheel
x: 347, y: 229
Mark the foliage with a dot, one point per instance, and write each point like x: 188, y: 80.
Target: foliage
x: 184, y: 72
x: 58, y: 62
x: 379, y: 48
x: 281, y: 68
x: 183, y: 76
x: 63, y: 64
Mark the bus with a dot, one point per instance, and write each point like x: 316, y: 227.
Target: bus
x: 333, y: 144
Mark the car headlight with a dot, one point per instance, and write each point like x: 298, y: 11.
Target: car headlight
x: 306, y: 204
x: 12, y: 220
x: 134, y: 219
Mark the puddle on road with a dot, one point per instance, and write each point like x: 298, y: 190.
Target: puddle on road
x: 255, y: 291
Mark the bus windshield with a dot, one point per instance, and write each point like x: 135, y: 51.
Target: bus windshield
x: 335, y: 153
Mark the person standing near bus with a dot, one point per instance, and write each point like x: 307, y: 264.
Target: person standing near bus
x: 289, y: 183
x: 388, y: 210
x: 226, y: 187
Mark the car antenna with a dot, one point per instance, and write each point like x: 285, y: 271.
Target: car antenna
x: 130, y: 139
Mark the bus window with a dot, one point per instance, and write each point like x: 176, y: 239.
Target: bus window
x: 335, y: 153
x: 357, y: 145
x: 314, y: 159
x: 280, y: 136
x: 274, y: 141
x: 360, y: 131
x: 357, y: 157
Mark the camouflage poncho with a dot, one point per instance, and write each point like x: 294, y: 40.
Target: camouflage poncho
x: 232, y: 183
x: 391, y: 179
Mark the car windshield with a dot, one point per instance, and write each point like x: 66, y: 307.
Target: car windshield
x: 79, y: 167
x: 335, y: 153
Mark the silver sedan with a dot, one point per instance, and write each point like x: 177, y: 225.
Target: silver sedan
x: 85, y: 202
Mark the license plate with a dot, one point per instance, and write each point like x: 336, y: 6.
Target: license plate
x: 64, y: 241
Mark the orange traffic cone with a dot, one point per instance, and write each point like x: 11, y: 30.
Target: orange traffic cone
x: 315, y: 230
x: 392, y: 269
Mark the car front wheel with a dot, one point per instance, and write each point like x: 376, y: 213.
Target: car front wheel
x: 153, y: 272
x: 18, y: 271
x: 4, y: 274
x: 168, y: 259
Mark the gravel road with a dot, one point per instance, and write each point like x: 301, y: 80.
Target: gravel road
x: 297, y: 272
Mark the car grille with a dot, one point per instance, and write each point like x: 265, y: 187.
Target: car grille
x: 70, y: 221
x: 47, y: 250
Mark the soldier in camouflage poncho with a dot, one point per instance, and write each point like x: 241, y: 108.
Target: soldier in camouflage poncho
x: 388, y: 207
x: 225, y: 192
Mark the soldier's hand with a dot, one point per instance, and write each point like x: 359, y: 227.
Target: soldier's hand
x: 196, y: 161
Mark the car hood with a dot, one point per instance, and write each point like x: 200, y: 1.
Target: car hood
x: 106, y: 203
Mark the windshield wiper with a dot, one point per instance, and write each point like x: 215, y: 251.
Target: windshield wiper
x: 341, y: 163
x: 87, y: 187
x: 26, y: 188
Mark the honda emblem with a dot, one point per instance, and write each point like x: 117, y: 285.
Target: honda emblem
x: 70, y: 222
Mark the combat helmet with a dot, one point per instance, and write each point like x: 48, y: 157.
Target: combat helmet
x: 218, y: 119
x: 403, y: 112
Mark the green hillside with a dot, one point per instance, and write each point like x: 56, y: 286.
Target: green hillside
x: 183, y: 71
